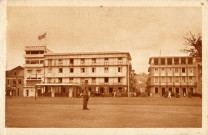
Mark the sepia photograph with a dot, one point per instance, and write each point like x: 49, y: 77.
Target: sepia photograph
x: 103, y: 67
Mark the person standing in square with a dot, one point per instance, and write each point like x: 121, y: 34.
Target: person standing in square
x: 85, y: 94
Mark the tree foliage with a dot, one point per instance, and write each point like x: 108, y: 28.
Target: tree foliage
x: 193, y: 45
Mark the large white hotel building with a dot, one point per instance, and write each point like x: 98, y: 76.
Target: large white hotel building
x: 61, y: 74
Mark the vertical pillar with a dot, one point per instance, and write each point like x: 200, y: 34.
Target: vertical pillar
x: 52, y: 91
x: 70, y: 91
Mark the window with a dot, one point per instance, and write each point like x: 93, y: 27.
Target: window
x: 60, y: 70
x: 8, y: 81
x: 170, y: 70
x: 106, y: 69
x: 176, y: 61
x: 190, y: 78
x: 170, y: 79
x: 156, y: 79
x: 27, y: 62
x: 71, y: 70
x: 156, y: 69
x: 38, y: 70
x: 15, y: 73
x: 162, y: 61
x: 19, y: 81
x: 71, y: 61
x: 93, y: 60
x: 191, y: 70
x: 27, y: 52
x: 176, y: 79
x: 155, y: 61
x: 163, y: 79
x: 183, y: 79
x: 60, y: 80
x: 190, y: 61
x: 183, y: 70
x: 119, y: 69
x: 106, y: 61
x: 176, y: 70
x: 60, y: 61
x: 183, y: 60
x: 49, y: 80
x: 119, y: 80
x: 162, y: 69
x: 41, y: 61
x: 156, y: 90
x: 82, y: 70
x: 49, y: 70
x: 106, y: 79
x: 93, y: 70
x: 49, y: 62
x: 34, y: 62
x: 71, y: 79
x: 169, y: 61
x: 93, y: 80
x: 82, y: 80
x: 82, y: 61
x: 120, y: 60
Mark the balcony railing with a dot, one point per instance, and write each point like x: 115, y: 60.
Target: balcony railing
x: 33, y: 55
x: 33, y: 65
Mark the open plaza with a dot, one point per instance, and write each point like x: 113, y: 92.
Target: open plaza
x: 105, y: 112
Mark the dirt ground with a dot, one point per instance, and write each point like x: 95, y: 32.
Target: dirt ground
x: 105, y: 112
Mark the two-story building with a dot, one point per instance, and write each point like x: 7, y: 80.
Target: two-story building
x: 62, y: 74
x: 15, y: 81
x: 177, y: 74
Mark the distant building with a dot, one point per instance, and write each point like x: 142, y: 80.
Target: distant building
x: 62, y: 74
x: 175, y: 74
x: 15, y: 81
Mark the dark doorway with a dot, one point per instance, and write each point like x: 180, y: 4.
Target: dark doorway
x: 156, y: 90
x: 101, y: 90
x: 39, y: 92
x: 120, y: 89
x: 170, y: 89
x: 27, y: 93
x: 110, y: 90
x: 177, y: 90
x: 163, y: 91
x: 63, y: 90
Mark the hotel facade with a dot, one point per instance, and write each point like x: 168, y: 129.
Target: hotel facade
x: 62, y: 74
x: 176, y: 74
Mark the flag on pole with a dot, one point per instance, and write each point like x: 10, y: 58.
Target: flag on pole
x: 42, y: 36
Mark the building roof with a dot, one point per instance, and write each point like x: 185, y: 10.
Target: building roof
x: 169, y: 57
x: 18, y: 68
x: 88, y: 53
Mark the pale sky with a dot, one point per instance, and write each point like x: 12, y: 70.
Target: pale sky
x: 141, y: 31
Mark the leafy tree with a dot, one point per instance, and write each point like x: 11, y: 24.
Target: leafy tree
x: 193, y: 45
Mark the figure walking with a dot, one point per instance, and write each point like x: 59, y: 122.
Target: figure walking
x: 85, y: 94
x: 169, y: 94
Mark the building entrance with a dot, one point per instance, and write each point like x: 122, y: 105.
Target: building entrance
x: 163, y: 91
